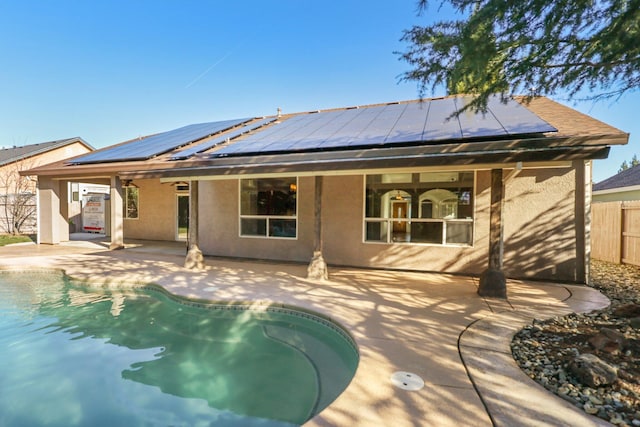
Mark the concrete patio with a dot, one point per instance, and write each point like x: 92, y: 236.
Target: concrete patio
x: 432, y: 325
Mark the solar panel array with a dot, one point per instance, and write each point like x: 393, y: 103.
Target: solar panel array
x: 154, y: 145
x: 428, y: 121
x: 210, y: 143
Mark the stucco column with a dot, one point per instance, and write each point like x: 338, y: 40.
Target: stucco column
x: 64, y: 210
x: 583, y: 219
x: 117, y: 222
x: 493, y: 282
x: 49, y: 216
x: 317, y: 269
x: 194, y: 257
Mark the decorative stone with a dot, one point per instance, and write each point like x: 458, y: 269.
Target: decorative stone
x: 628, y: 310
x: 635, y: 322
x: 608, y: 340
x: 589, y: 409
x: 592, y: 371
x: 194, y: 259
x: 317, y: 269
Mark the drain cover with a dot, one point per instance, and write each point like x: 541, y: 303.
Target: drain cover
x: 210, y: 289
x: 407, y: 381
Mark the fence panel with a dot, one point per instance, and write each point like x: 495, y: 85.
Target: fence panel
x: 606, y: 231
x: 631, y: 233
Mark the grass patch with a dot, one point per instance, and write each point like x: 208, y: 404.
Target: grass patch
x: 8, y: 239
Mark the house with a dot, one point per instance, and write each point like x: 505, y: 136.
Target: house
x: 623, y: 186
x: 404, y: 185
x: 17, y: 201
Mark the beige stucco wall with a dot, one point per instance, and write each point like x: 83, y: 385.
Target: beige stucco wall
x: 157, y: 206
x: 219, y: 225
x: 540, y: 225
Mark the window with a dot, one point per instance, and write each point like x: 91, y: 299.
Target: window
x: 428, y: 207
x: 268, y: 207
x: 131, y: 196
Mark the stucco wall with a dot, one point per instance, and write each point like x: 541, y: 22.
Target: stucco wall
x: 156, y: 212
x: 219, y: 225
x: 540, y: 225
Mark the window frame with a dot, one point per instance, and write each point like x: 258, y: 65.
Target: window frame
x: 125, y: 204
x: 267, y: 218
x: 446, y: 222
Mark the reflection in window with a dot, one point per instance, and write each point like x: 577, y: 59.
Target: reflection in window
x: 268, y: 207
x: 131, y: 196
x: 434, y: 208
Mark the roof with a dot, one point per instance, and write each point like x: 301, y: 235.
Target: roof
x: 396, y: 134
x: 14, y: 154
x: 380, y: 125
x: 627, y: 178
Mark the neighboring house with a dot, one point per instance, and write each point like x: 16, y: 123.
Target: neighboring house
x: 405, y: 185
x: 623, y: 186
x: 17, y: 193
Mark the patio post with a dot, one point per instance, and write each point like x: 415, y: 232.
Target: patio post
x: 317, y: 269
x: 194, y: 258
x: 50, y: 219
x: 117, y: 222
x: 493, y: 282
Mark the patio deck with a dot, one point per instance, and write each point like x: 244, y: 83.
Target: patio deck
x: 433, y: 325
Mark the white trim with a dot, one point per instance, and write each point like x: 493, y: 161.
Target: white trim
x: 617, y: 190
x: 125, y: 198
x: 267, y: 217
x: 177, y: 219
x: 389, y: 220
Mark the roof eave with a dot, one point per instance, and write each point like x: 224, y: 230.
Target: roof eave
x: 389, y: 160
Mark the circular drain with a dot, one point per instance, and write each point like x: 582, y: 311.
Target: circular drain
x: 407, y: 381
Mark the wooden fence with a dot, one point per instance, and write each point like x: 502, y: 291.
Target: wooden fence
x: 615, y: 232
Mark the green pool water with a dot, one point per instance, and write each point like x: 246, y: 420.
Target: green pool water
x: 73, y: 356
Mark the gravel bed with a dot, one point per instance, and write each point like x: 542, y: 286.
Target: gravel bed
x: 552, y: 352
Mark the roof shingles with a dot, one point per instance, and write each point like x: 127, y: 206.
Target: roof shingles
x: 627, y: 178
x: 14, y: 154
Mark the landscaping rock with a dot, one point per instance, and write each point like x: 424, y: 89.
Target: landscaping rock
x: 593, y: 371
x: 545, y: 349
x: 608, y: 340
x: 628, y: 310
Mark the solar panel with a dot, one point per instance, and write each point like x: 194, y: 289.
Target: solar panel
x: 387, y: 125
x: 517, y: 119
x: 204, y: 146
x: 157, y: 144
x: 441, y: 124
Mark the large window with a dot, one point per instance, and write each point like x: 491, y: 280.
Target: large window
x: 131, y: 202
x: 268, y: 207
x: 428, y: 207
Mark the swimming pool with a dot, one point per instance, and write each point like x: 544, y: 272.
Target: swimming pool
x: 72, y: 356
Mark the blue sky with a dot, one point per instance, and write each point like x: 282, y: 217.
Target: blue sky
x: 115, y: 70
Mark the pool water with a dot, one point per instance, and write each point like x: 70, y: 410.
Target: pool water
x: 73, y: 356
